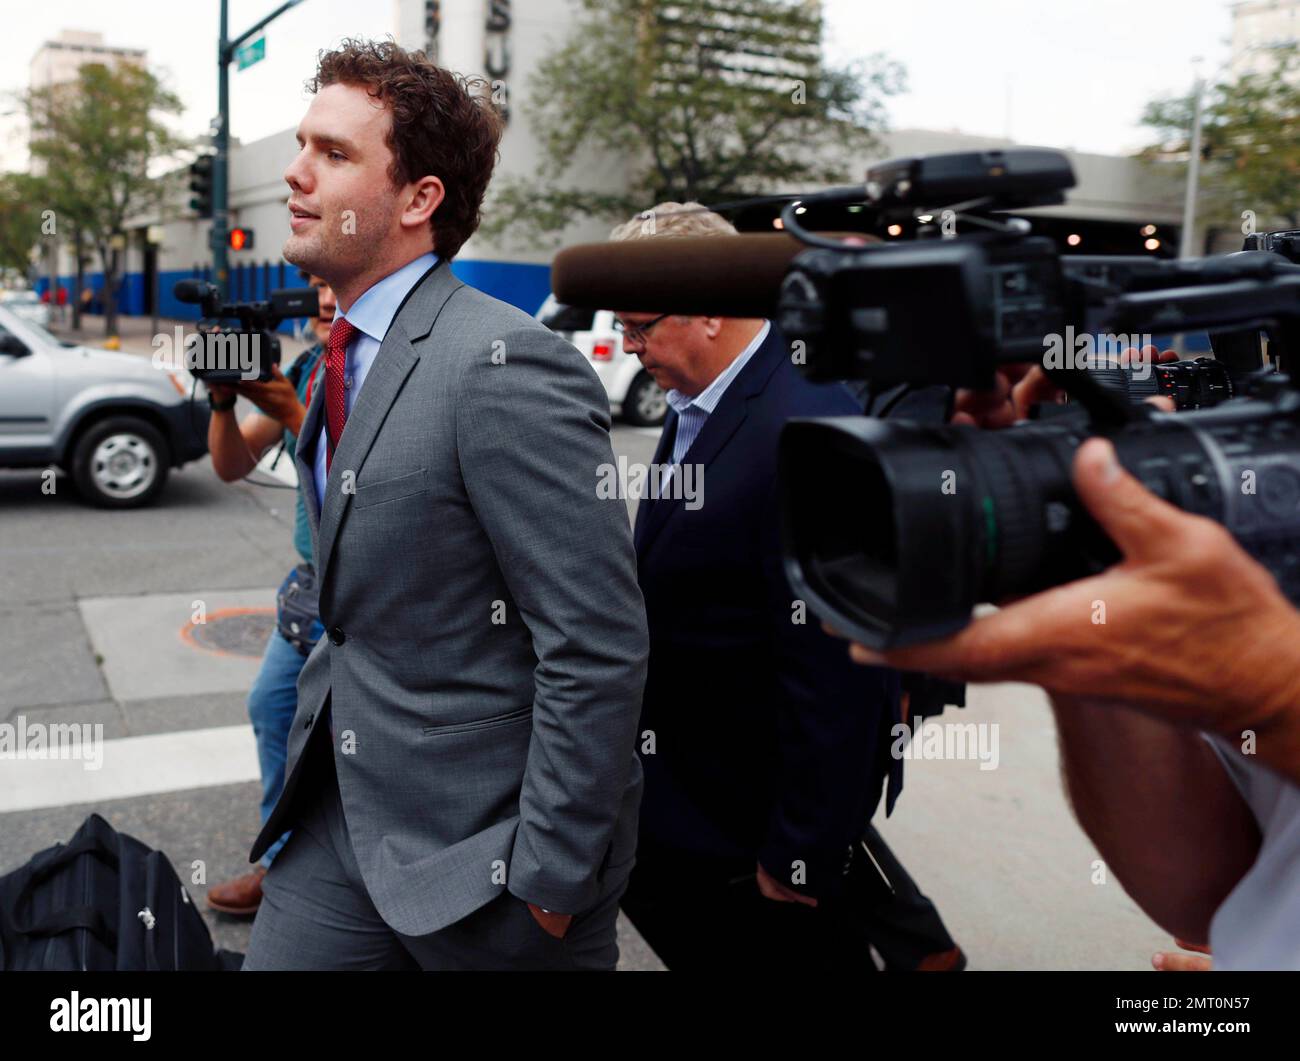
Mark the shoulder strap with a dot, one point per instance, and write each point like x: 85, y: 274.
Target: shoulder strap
x: 294, y: 372
x: 312, y: 379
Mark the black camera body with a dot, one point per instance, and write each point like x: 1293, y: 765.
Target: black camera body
x: 894, y: 532
x: 940, y: 311
x: 1285, y: 242
x: 247, y: 351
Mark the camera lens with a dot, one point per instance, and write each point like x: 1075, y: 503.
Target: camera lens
x: 894, y: 531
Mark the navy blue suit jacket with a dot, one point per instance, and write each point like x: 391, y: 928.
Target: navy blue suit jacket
x: 767, y: 741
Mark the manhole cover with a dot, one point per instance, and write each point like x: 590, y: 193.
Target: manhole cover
x: 233, y: 631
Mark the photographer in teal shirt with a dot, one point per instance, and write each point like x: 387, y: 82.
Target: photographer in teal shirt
x: 236, y: 448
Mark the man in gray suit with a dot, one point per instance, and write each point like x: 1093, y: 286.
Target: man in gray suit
x: 462, y: 779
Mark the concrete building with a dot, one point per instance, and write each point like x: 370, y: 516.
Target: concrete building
x: 57, y: 61
x: 1260, y: 29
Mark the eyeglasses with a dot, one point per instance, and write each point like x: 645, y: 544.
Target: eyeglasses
x: 638, y: 332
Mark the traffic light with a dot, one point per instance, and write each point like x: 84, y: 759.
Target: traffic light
x: 241, y: 239
x: 201, y: 185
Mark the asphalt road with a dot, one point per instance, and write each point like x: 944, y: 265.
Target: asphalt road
x: 91, y: 618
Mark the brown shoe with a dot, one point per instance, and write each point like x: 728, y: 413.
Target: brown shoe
x: 239, y: 897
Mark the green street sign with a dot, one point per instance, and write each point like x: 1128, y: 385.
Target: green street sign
x: 250, y: 53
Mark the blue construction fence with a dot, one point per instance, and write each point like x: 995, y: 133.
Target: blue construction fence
x: 521, y: 284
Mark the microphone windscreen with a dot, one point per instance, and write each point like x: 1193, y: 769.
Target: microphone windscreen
x: 190, y: 290
x: 717, y: 276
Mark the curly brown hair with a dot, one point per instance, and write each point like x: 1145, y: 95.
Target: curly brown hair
x: 444, y: 125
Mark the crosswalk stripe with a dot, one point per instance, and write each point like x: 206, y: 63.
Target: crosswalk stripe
x: 132, y: 766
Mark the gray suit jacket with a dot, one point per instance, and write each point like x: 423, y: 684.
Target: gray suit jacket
x: 486, y: 639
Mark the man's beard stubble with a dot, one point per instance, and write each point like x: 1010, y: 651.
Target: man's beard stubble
x: 330, y: 253
x: 309, y: 255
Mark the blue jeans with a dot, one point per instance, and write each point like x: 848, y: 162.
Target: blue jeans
x: 272, y: 702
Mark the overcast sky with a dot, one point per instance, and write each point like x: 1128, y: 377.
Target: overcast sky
x: 1058, y: 73
x: 1061, y: 73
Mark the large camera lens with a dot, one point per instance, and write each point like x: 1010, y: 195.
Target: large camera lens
x: 895, y: 531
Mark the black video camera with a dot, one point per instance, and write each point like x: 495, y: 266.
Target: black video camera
x: 951, y: 308
x: 895, y: 531
x: 246, y: 352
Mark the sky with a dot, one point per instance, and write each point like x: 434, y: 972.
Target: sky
x: 1059, y: 73
x: 1056, y: 73
x: 181, y: 38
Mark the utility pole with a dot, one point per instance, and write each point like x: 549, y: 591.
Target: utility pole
x: 1187, y: 245
x: 226, y: 49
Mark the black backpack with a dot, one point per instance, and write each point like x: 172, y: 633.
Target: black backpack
x: 103, y: 901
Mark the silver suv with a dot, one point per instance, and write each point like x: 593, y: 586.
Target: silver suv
x: 115, y: 422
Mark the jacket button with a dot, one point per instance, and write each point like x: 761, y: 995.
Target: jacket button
x: 337, y: 635
x: 310, y: 720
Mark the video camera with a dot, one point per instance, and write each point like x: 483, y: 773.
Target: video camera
x: 245, y: 353
x: 894, y: 531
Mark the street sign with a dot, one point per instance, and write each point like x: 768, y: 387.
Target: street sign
x: 252, y: 52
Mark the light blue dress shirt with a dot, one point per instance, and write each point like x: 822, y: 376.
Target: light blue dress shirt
x: 1258, y: 925
x: 371, y: 315
x: 692, y: 413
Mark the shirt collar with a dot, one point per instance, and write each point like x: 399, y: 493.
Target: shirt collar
x: 707, y: 400
x: 374, y: 311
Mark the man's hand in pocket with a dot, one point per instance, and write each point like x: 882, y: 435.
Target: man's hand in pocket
x: 554, y: 924
x: 776, y: 891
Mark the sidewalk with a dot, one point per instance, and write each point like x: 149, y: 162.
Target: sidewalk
x: 136, y: 334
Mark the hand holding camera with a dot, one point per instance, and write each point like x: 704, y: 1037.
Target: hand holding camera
x: 276, y: 398
x: 1172, y: 629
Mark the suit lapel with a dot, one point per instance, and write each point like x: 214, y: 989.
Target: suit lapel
x: 718, y: 430
x: 304, y: 459
x: 393, y: 362
x: 663, y: 452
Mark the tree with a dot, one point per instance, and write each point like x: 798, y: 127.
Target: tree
x: 96, y: 138
x: 20, y: 221
x: 1250, y: 144
x: 706, y: 100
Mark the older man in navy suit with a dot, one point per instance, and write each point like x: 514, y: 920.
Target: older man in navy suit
x: 764, y: 748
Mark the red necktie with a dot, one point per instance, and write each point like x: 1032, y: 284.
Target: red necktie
x: 336, y: 400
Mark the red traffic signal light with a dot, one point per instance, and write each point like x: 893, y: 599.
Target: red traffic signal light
x: 241, y: 239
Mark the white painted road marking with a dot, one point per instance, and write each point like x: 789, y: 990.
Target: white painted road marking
x: 133, y: 766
